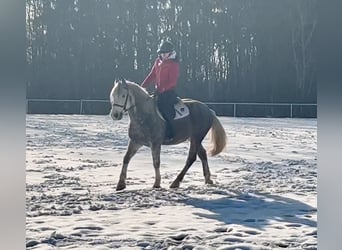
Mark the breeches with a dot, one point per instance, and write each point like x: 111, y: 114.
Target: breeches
x: 166, y: 100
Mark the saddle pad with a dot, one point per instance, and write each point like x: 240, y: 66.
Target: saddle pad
x: 181, y: 110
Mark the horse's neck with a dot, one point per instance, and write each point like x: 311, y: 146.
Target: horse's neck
x: 143, y: 103
x: 139, y: 94
x: 145, y: 124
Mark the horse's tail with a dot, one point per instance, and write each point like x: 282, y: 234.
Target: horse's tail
x: 218, y: 137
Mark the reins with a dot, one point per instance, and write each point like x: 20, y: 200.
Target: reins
x: 124, y: 105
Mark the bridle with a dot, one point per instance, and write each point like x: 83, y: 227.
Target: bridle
x: 124, y: 108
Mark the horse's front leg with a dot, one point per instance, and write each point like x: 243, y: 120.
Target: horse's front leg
x: 131, y: 151
x: 156, y: 164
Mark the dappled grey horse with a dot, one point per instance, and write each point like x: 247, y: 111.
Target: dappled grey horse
x: 147, y: 128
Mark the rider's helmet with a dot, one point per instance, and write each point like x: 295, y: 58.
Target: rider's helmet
x: 165, y: 47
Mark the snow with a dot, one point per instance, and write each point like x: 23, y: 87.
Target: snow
x: 264, y: 194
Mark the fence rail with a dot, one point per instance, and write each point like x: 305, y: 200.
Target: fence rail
x: 91, y: 106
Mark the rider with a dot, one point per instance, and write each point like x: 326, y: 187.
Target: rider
x: 164, y: 74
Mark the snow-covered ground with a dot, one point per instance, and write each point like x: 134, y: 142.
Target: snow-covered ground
x: 264, y: 196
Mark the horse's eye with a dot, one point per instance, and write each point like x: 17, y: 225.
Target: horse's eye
x: 123, y: 96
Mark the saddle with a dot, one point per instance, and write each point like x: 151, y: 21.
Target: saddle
x: 181, y: 110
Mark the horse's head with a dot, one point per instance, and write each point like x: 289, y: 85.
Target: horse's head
x: 119, y: 98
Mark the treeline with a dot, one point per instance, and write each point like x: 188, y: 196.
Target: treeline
x: 230, y: 50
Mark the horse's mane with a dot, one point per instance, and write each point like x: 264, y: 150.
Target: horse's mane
x: 141, y: 96
x: 136, y: 86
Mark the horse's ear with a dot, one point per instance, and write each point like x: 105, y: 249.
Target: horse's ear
x: 123, y: 80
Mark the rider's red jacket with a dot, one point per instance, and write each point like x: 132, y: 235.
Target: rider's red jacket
x: 164, y: 74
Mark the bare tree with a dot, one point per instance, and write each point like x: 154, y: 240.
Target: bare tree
x: 303, y: 27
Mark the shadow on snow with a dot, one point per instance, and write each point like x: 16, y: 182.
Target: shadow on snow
x: 255, y: 210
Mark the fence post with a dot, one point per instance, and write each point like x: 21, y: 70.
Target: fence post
x: 234, y: 106
x: 291, y: 110
x: 81, y: 106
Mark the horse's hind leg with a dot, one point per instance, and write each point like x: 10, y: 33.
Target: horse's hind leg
x: 202, y: 154
x: 189, y: 162
x: 131, y: 151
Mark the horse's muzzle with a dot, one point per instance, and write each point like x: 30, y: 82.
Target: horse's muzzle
x: 116, y: 115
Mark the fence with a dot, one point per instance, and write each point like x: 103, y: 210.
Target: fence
x: 102, y: 107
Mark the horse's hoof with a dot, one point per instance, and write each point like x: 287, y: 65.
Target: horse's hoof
x: 175, y: 185
x: 156, y: 186
x: 209, y: 182
x: 120, y: 186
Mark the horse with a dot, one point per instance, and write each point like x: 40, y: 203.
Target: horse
x: 147, y: 128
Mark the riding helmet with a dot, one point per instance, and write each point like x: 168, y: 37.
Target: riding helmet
x: 165, y: 47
